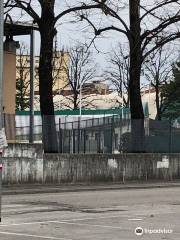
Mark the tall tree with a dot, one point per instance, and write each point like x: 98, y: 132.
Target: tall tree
x: 44, y: 16
x: 171, y: 95
x: 147, y: 22
x: 158, y: 68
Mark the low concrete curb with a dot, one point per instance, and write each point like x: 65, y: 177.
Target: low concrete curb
x: 34, y: 189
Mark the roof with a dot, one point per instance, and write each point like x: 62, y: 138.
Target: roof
x: 18, y: 28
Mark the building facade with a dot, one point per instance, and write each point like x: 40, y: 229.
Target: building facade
x: 60, y: 61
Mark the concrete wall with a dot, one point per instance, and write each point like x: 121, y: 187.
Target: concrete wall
x: 97, y: 167
x: 23, y: 163
x: 22, y: 170
x: 27, y: 164
x: 23, y: 150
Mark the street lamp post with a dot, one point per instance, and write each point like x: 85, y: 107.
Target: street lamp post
x: 1, y: 87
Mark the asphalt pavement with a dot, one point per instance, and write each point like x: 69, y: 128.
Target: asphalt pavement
x: 93, y: 214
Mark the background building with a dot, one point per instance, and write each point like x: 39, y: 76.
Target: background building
x: 60, y: 83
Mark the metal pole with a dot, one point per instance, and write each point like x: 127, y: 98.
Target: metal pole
x: 32, y: 56
x: 60, y: 137
x: 170, y: 136
x: 84, y: 140
x: 80, y: 100
x: 31, y: 132
x: 149, y: 97
x: 149, y: 108
x: 112, y: 134
x: 1, y: 88
x: 79, y: 138
x: 122, y: 105
x: 74, y: 138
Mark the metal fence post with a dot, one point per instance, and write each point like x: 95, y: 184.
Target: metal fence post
x: 99, y: 137
x: 65, y: 135
x: 84, y: 140
x: 103, y: 145
x: 60, y: 137
x: 170, y: 136
x: 74, y: 140
x: 112, y: 133
x: 69, y: 141
x: 79, y: 140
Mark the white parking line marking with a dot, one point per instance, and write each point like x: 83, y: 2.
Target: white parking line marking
x: 64, y: 220
x: 19, y: 224
x: 135, y: 219
x: 5, y: 206
x: 86, y: 224
x: 94, y: 218
x: 33, y: 236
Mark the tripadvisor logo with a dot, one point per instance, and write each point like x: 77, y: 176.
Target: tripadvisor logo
x: 139, y: 231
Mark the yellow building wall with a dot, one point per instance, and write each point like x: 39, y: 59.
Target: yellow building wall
x: 59, y: 73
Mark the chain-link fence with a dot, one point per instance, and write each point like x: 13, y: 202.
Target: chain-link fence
x: 108, y: 134
x: 116, y: 135
x: 163, y: 136
x: 96, y: 135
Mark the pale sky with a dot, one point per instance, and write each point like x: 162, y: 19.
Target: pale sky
x: 69, y: 33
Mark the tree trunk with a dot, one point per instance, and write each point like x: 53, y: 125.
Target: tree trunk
x: 136, y: 107
x: 157, y: 102
x: 75, y: 101
x: 47, y: 32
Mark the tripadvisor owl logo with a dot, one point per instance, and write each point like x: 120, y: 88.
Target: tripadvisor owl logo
x: 139, y: 231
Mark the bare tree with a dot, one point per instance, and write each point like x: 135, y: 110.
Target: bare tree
x: 147, y: 22
x: 80, y: 71
x: 44, y: 16
x: 22, y: 79
x: 158, y: 68
x: 118, y: 72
